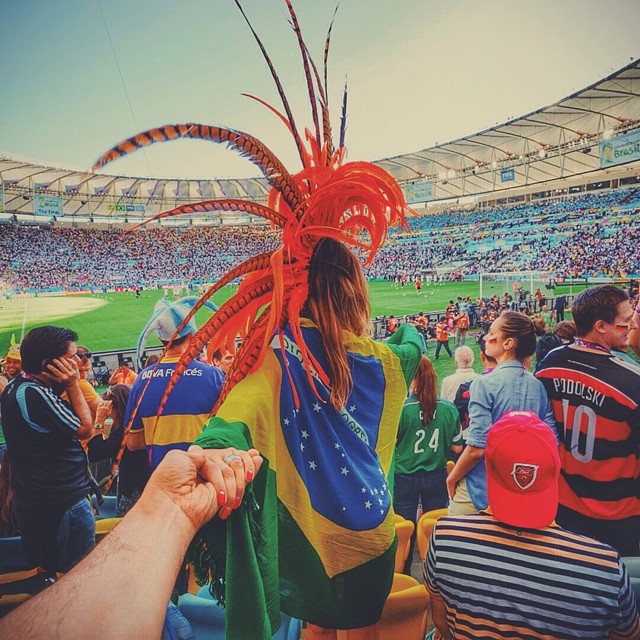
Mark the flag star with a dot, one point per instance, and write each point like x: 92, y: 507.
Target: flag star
x: 316, y: 407
x: 364, y: 490
x: 371, y: 491
x: 286, y: 421
x: 375, y: 491
x: 302, y: 446
x: 344, y: 508
x: 336, y: 445
x: 312, y: 465
x: 384, y: 487
x: 381, y: 511
x: 367, y: 505
x: 352, y: 408
x: 304, y: 433
x: 344, y: 471
x: 380, y: 501
x: 342, y: 454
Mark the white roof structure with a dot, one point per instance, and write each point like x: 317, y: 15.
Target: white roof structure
x: 557, y: 142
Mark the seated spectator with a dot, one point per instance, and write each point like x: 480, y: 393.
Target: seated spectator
x: 463, y: 359
x: 428, y: 435
x: 134, y: 466
x: 517, y: 574
x: 123, y: 375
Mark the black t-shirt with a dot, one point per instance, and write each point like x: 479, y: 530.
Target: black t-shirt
x: 49, y: 464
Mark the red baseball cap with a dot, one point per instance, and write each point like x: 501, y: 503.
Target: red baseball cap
x: 523, y: 466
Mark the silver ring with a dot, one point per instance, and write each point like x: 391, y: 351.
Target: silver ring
x: 231, y: 456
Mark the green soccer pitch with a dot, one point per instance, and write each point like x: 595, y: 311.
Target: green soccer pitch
x: 114, y: 320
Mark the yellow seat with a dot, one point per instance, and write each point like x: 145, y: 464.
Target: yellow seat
x: 424, y: 528
x: 404, y: 531
x: 404, y: 616
x: 104, y: 525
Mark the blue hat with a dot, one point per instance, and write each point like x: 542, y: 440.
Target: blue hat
x: 167, y: 317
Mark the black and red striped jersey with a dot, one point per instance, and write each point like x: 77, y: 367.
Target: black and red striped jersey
x: 596, y: 405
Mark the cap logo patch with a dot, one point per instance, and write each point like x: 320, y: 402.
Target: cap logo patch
x: 524, y: 474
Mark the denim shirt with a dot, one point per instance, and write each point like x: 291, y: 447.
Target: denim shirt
x: 508, y: 387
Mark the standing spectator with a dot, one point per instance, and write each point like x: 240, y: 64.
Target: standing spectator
x: 461, y: 325
x: 392, y: 325
x: 513, y: 573
x: 84, y: 364
x: 50, y: 473
x: 559, y: 306
x: 188, y: 407
x: 511, y: 341
x: 428, y: 436
x: 123, y: 375
x: 596, y: 404
x: 134, y: 467
x: 11, y: 366
x: 326, y: 511
x: 223, y: 359
x: 442, y: 337
x: 463, y: 359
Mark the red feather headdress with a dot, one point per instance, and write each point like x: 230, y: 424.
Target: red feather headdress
x: 352, y: 202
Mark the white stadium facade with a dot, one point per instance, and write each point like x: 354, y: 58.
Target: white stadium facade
x: 587, y: 141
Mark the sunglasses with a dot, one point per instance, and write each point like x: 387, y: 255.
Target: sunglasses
x: 85, y: 355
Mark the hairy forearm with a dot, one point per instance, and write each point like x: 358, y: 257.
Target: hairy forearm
x: 131, y: 572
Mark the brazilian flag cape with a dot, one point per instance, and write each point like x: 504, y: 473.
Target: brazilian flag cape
x: 315, y: 535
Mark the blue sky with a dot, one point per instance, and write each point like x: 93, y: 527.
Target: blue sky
x: 419, y: 72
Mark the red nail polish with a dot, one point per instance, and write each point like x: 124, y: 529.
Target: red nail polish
x: 236, y: 502
x: 221, y: 497
x: 249, y: 475
x: 224, y: 513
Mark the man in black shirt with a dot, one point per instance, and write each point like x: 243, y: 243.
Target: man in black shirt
x: 43, y: 432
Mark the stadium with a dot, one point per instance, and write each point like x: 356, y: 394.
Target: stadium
x: 514, y: 217
x: 552, y: 195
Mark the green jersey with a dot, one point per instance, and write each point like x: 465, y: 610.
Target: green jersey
x: 426, y: 447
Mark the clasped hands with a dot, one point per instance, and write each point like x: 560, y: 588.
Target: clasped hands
x: 203, y: 482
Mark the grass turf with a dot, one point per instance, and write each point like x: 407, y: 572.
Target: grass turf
x: 108, y: 321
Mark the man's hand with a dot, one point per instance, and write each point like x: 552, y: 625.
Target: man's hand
x: 452, y: 483
x: 63, y: 370
x: 199, y: 483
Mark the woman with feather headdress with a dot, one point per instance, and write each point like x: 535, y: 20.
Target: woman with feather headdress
x: 320, y: 400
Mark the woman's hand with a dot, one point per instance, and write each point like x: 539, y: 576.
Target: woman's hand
x: 237, y: 468
x: 103, y: 411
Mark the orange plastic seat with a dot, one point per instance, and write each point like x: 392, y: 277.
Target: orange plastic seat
x: 424, y: 528
x: 404, y: 531
x: 404, y: 615
x: 104, y: 525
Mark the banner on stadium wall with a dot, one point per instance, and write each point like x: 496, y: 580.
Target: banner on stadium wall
x: 418, y: 192
x: 125, y: 207
x: 619, y: 150
x: 506, y: 175
x: 44, y: 205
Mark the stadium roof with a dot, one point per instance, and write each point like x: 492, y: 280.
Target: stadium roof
x: 557, y: 142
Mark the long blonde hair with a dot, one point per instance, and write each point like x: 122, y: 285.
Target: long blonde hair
x: 337, y: 300
x: 425, y: 386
